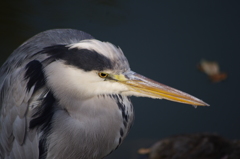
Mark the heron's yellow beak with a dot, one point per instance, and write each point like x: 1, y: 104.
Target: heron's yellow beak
x: 143, y: 86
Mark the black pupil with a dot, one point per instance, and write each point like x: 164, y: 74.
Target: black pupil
x: 103, y: 74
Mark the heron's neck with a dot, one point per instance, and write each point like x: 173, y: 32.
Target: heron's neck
x: 93, y: 107
x: 102, y: 122
x: 97, y: 106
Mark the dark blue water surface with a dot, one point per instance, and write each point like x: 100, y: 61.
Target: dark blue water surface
x: 163, y: 40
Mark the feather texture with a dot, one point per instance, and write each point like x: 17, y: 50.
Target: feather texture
x: 40, y: 121
x: 18, y: 93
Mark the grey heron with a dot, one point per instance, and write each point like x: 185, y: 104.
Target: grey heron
x: 65, y: 95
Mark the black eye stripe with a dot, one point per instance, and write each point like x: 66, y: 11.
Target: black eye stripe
x: 87, y: 60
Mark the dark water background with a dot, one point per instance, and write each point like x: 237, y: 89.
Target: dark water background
x: 163, y: 40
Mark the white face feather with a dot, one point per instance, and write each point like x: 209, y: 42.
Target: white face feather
x: 71, y: 82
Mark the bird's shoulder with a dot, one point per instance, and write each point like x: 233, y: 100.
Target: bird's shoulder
x: 23, y: 90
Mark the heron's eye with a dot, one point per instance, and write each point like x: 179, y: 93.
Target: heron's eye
x: 103, y: 75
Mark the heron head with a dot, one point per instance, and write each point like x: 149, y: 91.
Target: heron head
x: 91, y: 67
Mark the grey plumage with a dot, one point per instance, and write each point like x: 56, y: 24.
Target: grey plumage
x: 17, y: 140
x: 65, y: 95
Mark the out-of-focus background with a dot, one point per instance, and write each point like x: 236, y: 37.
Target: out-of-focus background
x: 163, y: 40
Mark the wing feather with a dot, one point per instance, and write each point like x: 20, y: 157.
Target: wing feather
x: 17, y: 101
x: 19, y: 129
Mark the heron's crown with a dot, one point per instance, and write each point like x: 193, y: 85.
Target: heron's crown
x: 110, y: 51
x: 90, y: 55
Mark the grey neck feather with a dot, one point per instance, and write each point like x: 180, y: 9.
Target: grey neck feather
x: 102, y: 122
